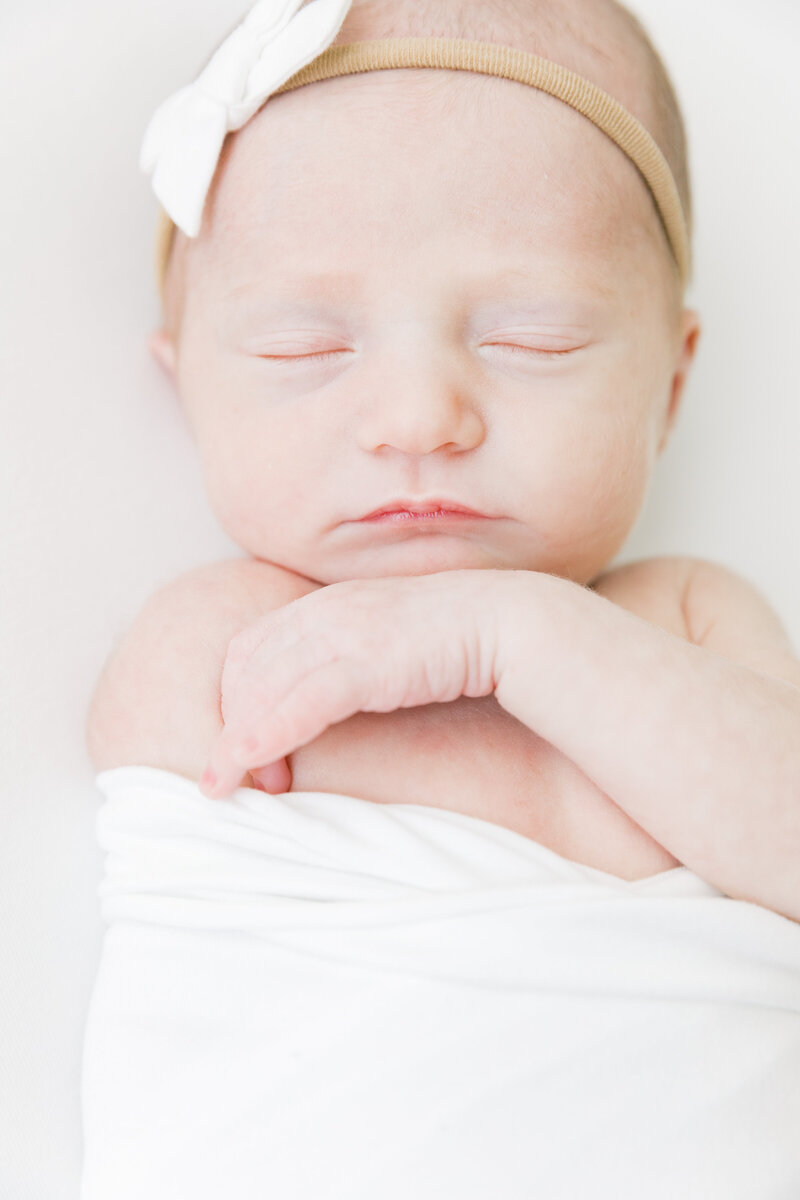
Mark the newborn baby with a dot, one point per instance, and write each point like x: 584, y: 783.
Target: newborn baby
x: 423, y: 291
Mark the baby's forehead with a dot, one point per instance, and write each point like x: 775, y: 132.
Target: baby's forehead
x: 383, y: 158
x: 435, y: 157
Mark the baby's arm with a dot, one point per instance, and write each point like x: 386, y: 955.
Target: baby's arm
x: 698, y: 743
x: 157, y: 701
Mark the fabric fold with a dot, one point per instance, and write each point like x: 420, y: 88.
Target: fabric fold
x: 311, y: 995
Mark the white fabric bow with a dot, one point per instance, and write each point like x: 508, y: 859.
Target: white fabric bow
x: 183, y: 141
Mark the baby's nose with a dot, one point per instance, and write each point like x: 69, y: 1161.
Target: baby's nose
x: 421, y: 406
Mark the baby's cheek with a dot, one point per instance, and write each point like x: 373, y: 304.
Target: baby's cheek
x: 239, y: 509
x: 595, y: 497
x: 615, y: 467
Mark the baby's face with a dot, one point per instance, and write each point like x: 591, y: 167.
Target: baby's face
x: 486, y: 273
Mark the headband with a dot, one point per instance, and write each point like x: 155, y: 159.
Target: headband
x: 268, y: 55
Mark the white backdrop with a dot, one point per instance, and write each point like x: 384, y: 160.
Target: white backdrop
x: 103, y: 500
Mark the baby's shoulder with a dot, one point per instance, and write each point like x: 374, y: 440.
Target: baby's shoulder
x: 709, y: 604
x: 651, y: 588
x: 157, y: 701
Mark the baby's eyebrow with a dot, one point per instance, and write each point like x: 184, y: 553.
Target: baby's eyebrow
x: 286, y: 293
x: 316, y: 282
x: 280, y: 289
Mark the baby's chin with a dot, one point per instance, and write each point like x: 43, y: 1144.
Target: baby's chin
x: 427, y: 556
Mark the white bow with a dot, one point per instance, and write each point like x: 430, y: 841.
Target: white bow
x: 183, y: 141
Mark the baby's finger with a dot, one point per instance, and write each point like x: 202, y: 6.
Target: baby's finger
x: 218, y: 787
x: 252, y: 690
x: 323, y: 698
x: 257, y: 656
x: 249, y: 707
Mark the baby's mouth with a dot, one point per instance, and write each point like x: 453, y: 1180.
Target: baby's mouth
x: 404, y: 517
x: 405, y: 511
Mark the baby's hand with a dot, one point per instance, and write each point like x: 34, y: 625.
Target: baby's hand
x: 372, y: 645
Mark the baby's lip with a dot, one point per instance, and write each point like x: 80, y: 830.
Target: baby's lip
x: 419, y: 507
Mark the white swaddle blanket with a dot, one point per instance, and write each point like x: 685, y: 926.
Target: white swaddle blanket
x: 314, y: 996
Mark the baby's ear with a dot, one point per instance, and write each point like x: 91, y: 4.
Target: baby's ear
x: 162, y: 348
x: 690, y: 330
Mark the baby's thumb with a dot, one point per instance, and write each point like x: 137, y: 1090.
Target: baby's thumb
x: 275, y: 778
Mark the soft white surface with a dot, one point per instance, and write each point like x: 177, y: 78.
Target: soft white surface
x: 102, y: 497
x: 315, y: 997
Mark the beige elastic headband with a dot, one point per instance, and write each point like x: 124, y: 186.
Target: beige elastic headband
x: 506, y: 62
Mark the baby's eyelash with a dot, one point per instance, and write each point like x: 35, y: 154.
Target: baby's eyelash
x: 321, y: 357
x: 531, y: 350
x: 325, y: 355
